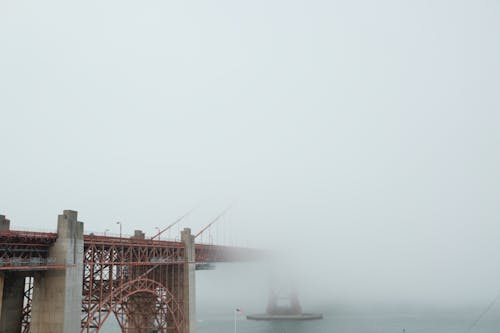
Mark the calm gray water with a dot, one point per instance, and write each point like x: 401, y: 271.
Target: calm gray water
x: 357, y: 321
x: 352, y: 321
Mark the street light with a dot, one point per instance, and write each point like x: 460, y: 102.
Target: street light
x: 159, y: 235
x: 120, y: 228
x: 105, y: 231
x: 120, y: 272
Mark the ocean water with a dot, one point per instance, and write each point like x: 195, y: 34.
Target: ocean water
x: 352, y: 320
x: 246, y: 286
x: 360, y: 321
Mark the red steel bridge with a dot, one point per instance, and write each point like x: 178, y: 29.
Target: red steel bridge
x: 73, y: 282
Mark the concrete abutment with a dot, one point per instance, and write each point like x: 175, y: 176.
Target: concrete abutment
x: 57, y: 294
x: 12, y: 302
x: 189, y: 281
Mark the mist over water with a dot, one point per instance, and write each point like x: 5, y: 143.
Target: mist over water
x: 356, y: 140
x: 245, y: 286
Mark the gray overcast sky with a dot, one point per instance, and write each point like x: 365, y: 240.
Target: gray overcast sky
x: 365, y: 133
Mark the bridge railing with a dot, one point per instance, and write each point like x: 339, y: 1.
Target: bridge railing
x: 34, y: 261
x: 129, y: 241
x: 28, y: 234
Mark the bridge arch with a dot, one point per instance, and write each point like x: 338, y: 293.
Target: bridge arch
x: 117, y: 302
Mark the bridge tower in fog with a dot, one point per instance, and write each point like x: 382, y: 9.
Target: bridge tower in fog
x: 72, y: 282
x: 292, y: 306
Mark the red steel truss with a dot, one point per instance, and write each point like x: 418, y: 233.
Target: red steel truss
x: 28, y: 295
x: 24, y: 250
x: 140, y: 282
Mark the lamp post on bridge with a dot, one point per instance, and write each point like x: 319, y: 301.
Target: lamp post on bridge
x: 159, y: 235
x: 120, y: 272
x: 105, y: 231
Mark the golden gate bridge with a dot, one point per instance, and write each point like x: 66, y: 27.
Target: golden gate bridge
x: 69, y: 281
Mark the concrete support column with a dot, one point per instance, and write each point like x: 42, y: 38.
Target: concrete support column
x: 4, y: 223
x: 57, y: 294
x: 12, y: 303
x: 2, y: 278
x: 189, y: 281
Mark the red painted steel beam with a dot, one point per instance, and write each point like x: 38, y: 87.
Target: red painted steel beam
x: 172, y: 224
x: 34, y: 268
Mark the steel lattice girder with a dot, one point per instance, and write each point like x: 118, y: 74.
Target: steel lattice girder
x: 116, y: 276
x: 28, y: 297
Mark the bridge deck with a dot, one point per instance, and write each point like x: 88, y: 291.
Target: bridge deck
x: 29, y: 250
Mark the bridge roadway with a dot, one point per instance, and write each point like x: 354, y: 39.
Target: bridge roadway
x: 28, y: 250
x: 70, y: 281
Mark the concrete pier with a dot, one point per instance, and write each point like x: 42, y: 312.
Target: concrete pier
x: 57, y: 294
x: 12, y: 303
x: 189, y: 281
x: 11, y: 295
x: 2, y: 278
x: 4, y: 223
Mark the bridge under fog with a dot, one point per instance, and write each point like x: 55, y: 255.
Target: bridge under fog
x: 70, y: 281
